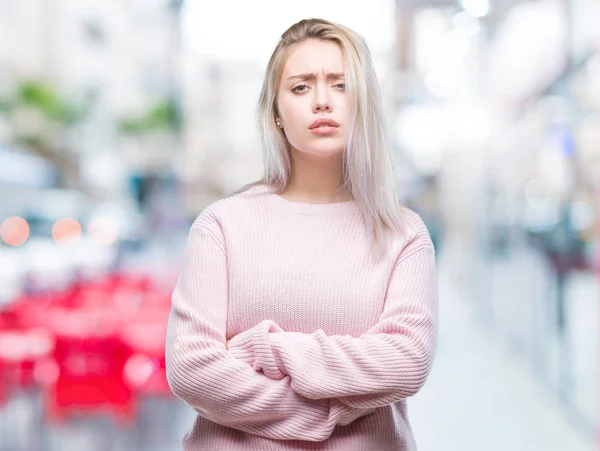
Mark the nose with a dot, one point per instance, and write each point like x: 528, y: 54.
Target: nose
x: 321, y: 101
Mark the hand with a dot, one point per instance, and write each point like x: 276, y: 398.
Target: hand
x: 226, y: 343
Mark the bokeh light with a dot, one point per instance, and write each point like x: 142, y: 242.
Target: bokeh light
x: 66, y: 230
x: 14, y: 231
x: 103, y: 231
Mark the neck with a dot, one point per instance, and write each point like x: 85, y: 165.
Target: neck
x: 316, y: 179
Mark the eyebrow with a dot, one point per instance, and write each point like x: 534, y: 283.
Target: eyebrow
x: 312, y: 76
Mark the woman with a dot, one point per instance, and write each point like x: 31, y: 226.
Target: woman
x: 305, y: 312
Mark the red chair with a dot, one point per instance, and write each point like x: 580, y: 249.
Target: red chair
x: 90, y: 359
x: 4, y: 372
x: 21, y: 350
x: 145, y: 370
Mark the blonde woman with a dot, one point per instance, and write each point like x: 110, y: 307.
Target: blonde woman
x: 305, y: 313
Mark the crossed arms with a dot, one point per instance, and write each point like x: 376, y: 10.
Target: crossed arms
x: 290, y: 385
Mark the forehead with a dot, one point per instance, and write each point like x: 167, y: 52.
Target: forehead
x: 313, y: 56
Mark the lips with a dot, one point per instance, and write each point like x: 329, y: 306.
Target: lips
x: 323, y: 122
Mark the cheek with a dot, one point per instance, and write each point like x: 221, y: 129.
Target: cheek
x: 343, y: 108
x: 293, y: 128
x: 289, y: 117
x: 290, y: 110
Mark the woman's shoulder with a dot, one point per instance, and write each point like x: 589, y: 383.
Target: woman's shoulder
x: 412, y: 220
x: 231, y: 206
x: 415, y: 234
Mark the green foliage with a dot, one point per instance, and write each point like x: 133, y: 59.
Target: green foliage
x: 162, y: 116
x: 45, y: 99
x: 4, y: 106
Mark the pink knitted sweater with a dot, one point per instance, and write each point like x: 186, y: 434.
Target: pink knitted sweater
x: 327, y: 343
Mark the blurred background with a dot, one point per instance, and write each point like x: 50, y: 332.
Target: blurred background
x: 121, y: 120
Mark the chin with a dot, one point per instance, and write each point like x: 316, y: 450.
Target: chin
x: 324, y: 150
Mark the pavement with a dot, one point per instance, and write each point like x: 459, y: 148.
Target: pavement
x: 482, y: 395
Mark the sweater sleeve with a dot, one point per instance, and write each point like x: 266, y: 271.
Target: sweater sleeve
x: 388, y: 363
x: 227, y: 391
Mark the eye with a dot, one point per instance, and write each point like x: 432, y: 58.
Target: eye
x: 341, y: 86
x: 299, y: 88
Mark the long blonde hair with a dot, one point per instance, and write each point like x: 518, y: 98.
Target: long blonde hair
x: 368, y: 172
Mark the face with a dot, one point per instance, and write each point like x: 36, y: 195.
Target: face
x: 312, y: 104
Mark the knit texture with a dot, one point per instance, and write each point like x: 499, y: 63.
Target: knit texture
x: 326, y: 341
